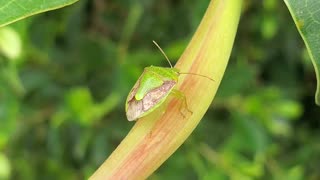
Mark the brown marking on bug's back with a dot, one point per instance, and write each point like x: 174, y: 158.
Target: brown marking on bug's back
x: 154, y: 96
x: 137, y: 108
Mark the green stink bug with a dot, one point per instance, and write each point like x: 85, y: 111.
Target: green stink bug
x: 152, y: 88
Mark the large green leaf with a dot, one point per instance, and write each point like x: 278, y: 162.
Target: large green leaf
x: 13, y: 10
x: 306, y: 16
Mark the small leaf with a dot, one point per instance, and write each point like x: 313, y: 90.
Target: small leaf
x: 306, y: 16
x: 80, y: 103
x: 5, y: 167
x: 10, y: 43
x: 13, y: 10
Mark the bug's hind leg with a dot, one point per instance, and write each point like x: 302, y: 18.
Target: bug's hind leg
x: 183, y: 104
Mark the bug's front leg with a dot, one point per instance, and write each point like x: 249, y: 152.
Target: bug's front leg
x: 181, y: 96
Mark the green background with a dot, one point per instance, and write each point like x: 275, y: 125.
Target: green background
x: 65, y: 75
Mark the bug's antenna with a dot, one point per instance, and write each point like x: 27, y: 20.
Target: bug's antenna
x: 199, y: 75
x: 163, y: 53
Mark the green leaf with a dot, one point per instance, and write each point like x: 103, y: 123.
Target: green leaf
x: 5, y: 167
x: 14, y: 10
x: 306, y: 16
x: 10, y: 43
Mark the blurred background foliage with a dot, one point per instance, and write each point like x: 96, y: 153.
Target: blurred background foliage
x: 65, y: 75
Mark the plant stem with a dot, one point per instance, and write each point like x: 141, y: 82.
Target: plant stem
x: 153, y: 139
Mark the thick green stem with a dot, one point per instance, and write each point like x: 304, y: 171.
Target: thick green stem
x: 154, y: 138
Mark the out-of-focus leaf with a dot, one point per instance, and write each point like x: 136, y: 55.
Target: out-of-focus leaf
x: 306, y: 16
x: 5, y: 167
x: 80, y: 103
x: 82, y: 107
x: 9, y: 111
x: 13, y: 10
x: 238, y: 78
x: 269, y: 26
x: 288, y: 109
x: 295, y: 173
x: 10, y: 43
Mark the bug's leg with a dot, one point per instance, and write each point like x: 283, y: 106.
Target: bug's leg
x: 184, y: 103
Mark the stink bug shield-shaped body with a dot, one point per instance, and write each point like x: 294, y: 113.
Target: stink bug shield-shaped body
x: 150, y: 91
